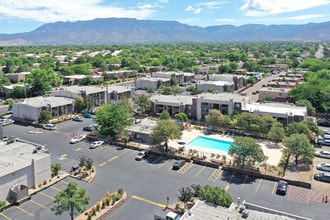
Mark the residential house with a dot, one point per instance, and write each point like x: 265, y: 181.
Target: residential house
x: 97, y: 93
x: 30, y: 108
x: 151, y: 82
x: 172, y: 103
x: 178, y: 76
x: 275, y: 94
x: 141, y: 130
x: 117, y: 93
x: 219, y: 86
x: 17, y: 77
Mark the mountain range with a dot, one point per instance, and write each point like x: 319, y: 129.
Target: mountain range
x: 132, y: 31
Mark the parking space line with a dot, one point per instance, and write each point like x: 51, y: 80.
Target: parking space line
x: 215, y: 175
x: 37, y: 203
x: 259, y: 184
x: 274, y: 188
x: 227, y: 187
x: 149, y: 201
x: 185, y: 168
x: 125, y: 151
x: 244, y: 181
x: 78, y: 149
x: 102, y: 164
x: 161, y: 165
x: 115, y: 157
x: 53, y: 187
x: 47, y: 195
x: 64, y: 155
x: 23, y: 210
x: 66, y: 183
x: 200, y: 171
x: 133, y: 152
x: 5, y: 216
x: 158, y: 159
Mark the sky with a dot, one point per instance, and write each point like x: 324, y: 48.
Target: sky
x: 17, y: 16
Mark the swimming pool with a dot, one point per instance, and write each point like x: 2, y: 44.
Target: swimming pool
x: 211, y: 143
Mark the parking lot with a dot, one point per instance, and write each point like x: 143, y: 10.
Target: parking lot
x: 148, y: 182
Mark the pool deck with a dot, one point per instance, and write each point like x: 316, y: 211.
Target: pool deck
x: 273, y: 152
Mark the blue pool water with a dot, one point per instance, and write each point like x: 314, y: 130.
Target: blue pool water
x: 211, y: 143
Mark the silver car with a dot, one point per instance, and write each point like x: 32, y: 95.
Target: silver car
x: 324, y: 154
x: 96, y: 144
x: 323, y: 166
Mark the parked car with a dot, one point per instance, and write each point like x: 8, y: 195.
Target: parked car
x: 88, y: 115
x: 324, y: 154
x: 323, y: 122
x: 96, y: 144
x: 6, y: 121
x: 77, y: 139
x: 50, y: 127
x: 178, y: 164
x: 282, y: 187
x: 89, y: 128
x: 322, y: 177
x: 78, y: 118
x: 323, y: 166
x: 142, y: 154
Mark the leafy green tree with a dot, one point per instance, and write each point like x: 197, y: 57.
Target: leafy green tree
x: 217, y: 120
x: 245, y: 150
x: 165, y: 115
x: 298, y: 146
x: 127, y: 104
x: 216, y: 195
x: 9, y: 102
x: 42, y: 80
x: 186, y: 194
x: 181, y: 117
x: 113, y: 119
x: 144, y: 103
x: 300, y: 128
x: 56, y: 167
x: 18, y: 92
x: 276, y: 133
x: 72, y: 199
x: 164, y: 131
x: 89, y: 103
x: 45, y: 116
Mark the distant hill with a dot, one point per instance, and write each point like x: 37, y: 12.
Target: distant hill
x: 128, y: 31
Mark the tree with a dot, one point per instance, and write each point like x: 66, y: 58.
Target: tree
x: 18, y: 92
x: 185, y: 194
x: 80, y: 104
x: 127, y: 104
x: 181, y: 117
x: 164, y: 131
x: 276, y: 133
x: 143, y: 102
x: 164, y: 115
x: 245, y: 150
x: 298, y: 146
x: 72, y: 199
x: 10, y: 103
x: 45, y: 116
x: 113, y: 118
x: 300, y: 128
x: 56, y: 167
x: 217, y: 120
x: 42, y: 80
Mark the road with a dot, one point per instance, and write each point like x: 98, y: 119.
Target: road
x: 147, y: 182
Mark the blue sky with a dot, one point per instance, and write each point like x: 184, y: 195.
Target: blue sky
x: 18, y: 16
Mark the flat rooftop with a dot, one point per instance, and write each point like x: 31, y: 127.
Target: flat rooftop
x: 223, y: 96
x: 279, y: 108
x: 173, y: 99
x: 41, y: 101
x: 145, y: 126
x: 87, y: 89
x: 16, y: 156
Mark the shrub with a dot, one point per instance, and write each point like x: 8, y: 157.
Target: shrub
x: 120, y: 192
x: 216, y: 195
x: 98, y: 205
x: 108, y: 194
x: 3, y: 204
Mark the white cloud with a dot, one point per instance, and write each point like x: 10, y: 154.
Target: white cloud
x: 306, y: 17
x: 64, y: 10
x: 212, y: 4
x: 198, y: 10
x: 264, y: 7
x: 189, y: 8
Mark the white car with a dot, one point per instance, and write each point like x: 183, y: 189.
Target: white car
x: 50, y: 127
x: 324, y: 154
x: 77, y: 139
x: 323, y: 166
x: 96, y: 144
x: 141, y: 155
x: 5, y: 121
